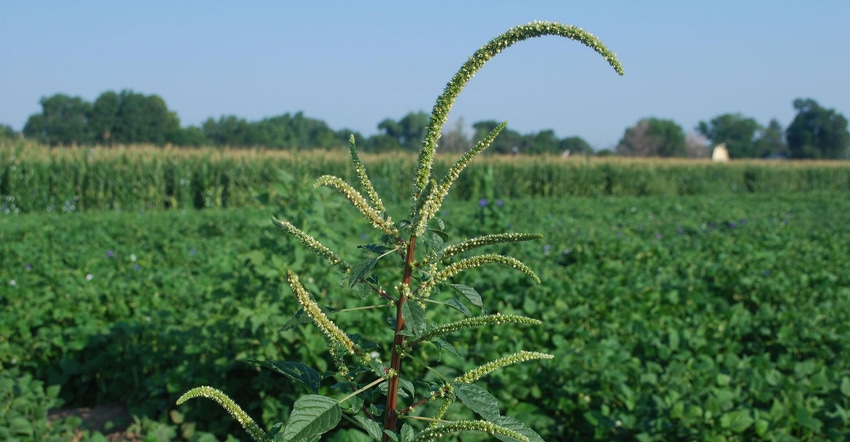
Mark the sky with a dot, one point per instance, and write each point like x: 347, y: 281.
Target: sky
x: 353, y: 64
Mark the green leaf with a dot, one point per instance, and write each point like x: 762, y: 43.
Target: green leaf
x: 478, y: 400
x: 371, y: 427
x: 435, y: 242
x: 359, y: 270
x: 407, y: 386
x: 515, y: 425
x: 392, y: 435
x: 442, y: 344
x: 294, y: 370
x: 737, y: 421
x: 443, y: 235
x: 378, y: 249
x: 407, y: 433
x: 414, y: 317
x: 256, y: 257
x: 312, y: 415
x: 457, y: 305
x: 471, y: 294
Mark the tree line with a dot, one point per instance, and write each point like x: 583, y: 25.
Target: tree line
x: 128, y: 117
x: 815, y: 133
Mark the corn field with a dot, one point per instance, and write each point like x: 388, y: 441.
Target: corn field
x: 37, y: 178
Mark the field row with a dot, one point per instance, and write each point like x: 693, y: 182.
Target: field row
x: 34, y: 178
x: 689, y: 318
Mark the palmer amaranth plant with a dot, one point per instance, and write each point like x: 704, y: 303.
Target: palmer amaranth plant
x: 387, y: 401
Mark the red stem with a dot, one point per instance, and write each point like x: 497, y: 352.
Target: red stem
x: 391, y: 418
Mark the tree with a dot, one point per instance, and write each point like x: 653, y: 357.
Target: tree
x: 817, y: 132
x: 735, y: 130
x: 576, y: 146
x: 771, y: 141
x: 191, y: 136
x: 508, y: 141
x: 7, y: 132
x: 129, y: 117
x: 228, y: 131
x: 544, y: 141
x: 104, y: 117
x: 63, y: 120
x: 143, y: 119
x: 653, y: 137
x: 294, y: 132
x: 408, y: 131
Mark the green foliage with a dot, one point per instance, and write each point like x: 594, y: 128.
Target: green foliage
x: 129, y: 117
x: 771, y: 141
x: 122, y: 118
x: 7, y: 132
x: 742, y: 296
x: 817, y: 132
x: 24, y: 403
x: 281, y: 132
x: 63, y: 120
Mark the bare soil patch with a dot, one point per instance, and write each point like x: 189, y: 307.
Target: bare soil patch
x: 111, y: 420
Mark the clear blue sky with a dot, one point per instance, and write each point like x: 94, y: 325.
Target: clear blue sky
x: 352, y: 64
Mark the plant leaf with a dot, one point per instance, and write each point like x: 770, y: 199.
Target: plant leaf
x: 442, y: 344
x: 471, y: 294
x: 434, y: 241
x: 371, y: 427
x: 478, y: 400
x: 294, y: 370
x: 457, y: 305
x: 414, y: 317
x: 737, y: 421
x: 515, y: 425
x: 359, y: 270
x: 443, y: 235
x: 312, y: 415
x: 378, y: 249
x: 407, y: 433
x: 407, y: 386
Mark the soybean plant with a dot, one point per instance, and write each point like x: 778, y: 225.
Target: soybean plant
x: 382, y: 398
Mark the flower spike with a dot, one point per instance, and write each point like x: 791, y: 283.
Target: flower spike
x: 445, y: 101
x: 360, y: 169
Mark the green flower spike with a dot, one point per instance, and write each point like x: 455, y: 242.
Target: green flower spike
x: 477, y: 373
x: 477, y: 261
x: 446, y: 100
x: 436, y: 195
x: 328, y: 328
x: 238, y: 414
x: 441, y: 431
x: 360, y: 169
x: 359, y: 202
x: 481, y: 241
x: 478, y: 321
x: 314, y: 245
